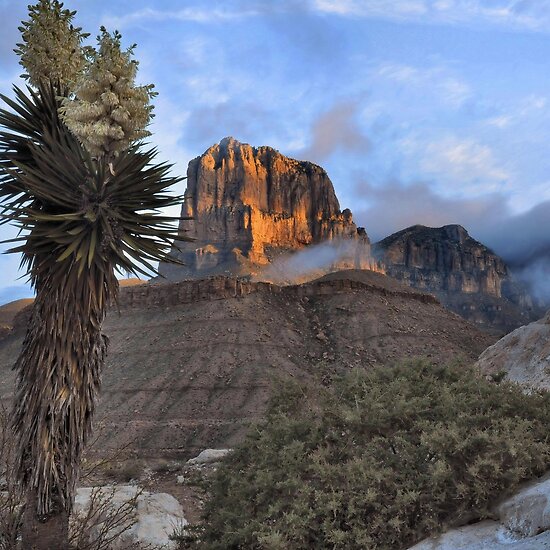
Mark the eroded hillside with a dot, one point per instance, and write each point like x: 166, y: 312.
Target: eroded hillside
x: 191, y: 364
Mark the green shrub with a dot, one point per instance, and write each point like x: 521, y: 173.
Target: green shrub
x: 378, y: 461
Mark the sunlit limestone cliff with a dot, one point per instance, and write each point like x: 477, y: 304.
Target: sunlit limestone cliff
x: 249, y: 206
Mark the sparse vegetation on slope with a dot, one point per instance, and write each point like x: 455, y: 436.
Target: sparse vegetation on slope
x: 378, y: 461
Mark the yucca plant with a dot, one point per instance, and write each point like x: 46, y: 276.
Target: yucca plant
x: 83, y: 213
x: 80, y: 218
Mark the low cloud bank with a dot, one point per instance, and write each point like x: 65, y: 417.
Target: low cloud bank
x: 537, y: 276
x: 314, y: 261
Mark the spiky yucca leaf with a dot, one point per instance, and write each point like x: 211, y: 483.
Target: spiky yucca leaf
x: 59, y: 195
x: 80, y: 219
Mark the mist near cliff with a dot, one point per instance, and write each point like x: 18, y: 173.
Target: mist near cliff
x: 312, y: 261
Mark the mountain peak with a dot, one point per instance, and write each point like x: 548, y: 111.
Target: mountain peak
x: 250, y: 205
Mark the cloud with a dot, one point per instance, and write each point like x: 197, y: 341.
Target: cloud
x: 436, y: 80
x: 247, y: 121
x: 537, y: 276
x: 463, y: 166
x: 395, y: 205
x: 530, y: 15
x: 337, y: 129
x: 521, y: 238
x: 531, y: 8
x: 397, y: 9
x: 311, y: 262
x: 502, y: 121
x: 190, y: 14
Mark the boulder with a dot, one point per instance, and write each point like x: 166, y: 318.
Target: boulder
x: 523, y: 524
x: 148, y: 518
x: 208, y: 456
x: 527, y: 513
x: 486, y: 535
x: 523, y: 355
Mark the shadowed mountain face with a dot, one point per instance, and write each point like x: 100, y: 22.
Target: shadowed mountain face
x: 465, y: 275
x: 251, y: 205
x: 191, y: 364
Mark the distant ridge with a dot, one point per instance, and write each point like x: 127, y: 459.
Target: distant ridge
x: 467, y: 276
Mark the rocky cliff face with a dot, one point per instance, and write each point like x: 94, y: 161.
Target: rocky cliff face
x: 250, y: 205
x: 465, y: 275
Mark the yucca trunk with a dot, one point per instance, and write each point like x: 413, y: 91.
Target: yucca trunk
x: 59, y: 374
x: 48, y: 532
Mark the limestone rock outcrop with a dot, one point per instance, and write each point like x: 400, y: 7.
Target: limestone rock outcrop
x: 523, y: 356
x: 522, y: 523
x: 128, y: 516
x: 248, y: 206
x: 465, y: 275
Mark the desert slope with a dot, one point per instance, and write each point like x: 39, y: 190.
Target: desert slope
x: 191, y: 364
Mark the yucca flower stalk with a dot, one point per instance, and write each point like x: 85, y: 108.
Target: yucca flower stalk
x: 51, y: 46
x: 106, y: 110
x: 80, y: 220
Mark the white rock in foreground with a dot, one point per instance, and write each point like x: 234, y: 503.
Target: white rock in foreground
x: 209, y: 456
x: 523, y: 524
x: 527, y: 513
x: 156, y: 516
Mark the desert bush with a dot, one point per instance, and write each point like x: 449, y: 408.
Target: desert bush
x: 379, y: 460
x: 103, y: 522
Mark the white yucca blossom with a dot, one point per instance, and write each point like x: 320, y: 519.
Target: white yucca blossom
x: 51, y: 49
x: 108, y: 111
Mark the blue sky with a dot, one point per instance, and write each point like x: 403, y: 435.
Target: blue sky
x: 421, y: 111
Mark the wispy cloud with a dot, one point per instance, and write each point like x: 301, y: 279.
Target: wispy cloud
x: 532, y: 106
x: 533, y: 15
x: 438, y: 79
x: 502, y: 121
x: 192, y: 14
x: 337, y: 129
x: 459, y: 166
